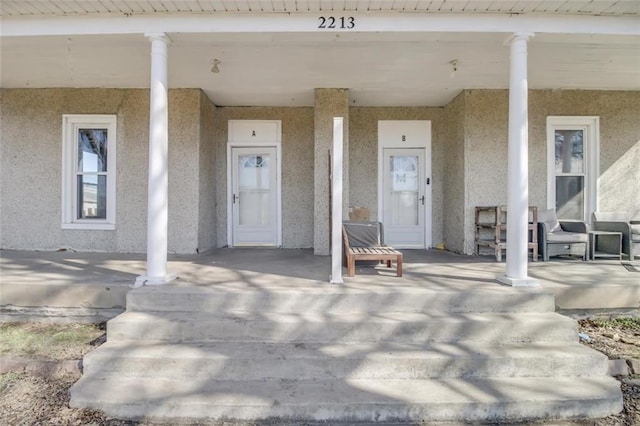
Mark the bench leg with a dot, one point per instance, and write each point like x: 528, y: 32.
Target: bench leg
x: 399, y: 261
x: 351, y: 266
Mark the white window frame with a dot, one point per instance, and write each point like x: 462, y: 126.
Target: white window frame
x: 71, y: 123
x: 590, y: 125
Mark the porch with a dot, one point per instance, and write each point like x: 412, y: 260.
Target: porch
x: 72, y: 286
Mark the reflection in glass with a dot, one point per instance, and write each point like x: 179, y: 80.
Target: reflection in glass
x: 570, y: 197
x: 92, y: 150
x: 254, y: 190
x: 404, y: 190
x: 92, y: 197
x: 569, y: 152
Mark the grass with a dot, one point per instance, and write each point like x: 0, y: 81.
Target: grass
x: 625, y: 323
x: 7, y: 379
x: 47, y: 341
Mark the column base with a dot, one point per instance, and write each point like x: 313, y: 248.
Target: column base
x: 336, y: 280
x: 144, y: 280
x: 518, y: 282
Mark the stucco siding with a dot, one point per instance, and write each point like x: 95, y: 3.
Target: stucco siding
x: 619, y: 112
x: 207, y: 219
x: 184, y: 140
x: 31, y: 179
x: 363, y: 157
x: 486, y: 147
x: 454, y: 177
x: 297, y: 170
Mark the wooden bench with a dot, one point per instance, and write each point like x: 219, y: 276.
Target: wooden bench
x: 380, y: 253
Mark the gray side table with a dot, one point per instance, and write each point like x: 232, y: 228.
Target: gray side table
x: 605, y: 244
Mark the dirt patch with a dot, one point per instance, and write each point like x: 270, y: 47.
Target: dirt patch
x: 27, y: 399
x: 618, y: 338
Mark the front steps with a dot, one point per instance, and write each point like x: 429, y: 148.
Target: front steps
x: 340, y: 354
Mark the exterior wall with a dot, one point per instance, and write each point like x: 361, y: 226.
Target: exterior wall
x: 329, y: 103
x: 297, y: 170
x: 30, y: 184
x: 454, y: 182
x: 619, y: 112
x: 363, y: 160
x: 486, y: 129
x: 207, y: 219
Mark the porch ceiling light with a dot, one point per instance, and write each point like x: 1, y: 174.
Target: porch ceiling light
x: 214, y: 66
x: 454, y: 67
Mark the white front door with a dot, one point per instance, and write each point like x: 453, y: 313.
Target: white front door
x: 404, y: 197
x: 254, y: 196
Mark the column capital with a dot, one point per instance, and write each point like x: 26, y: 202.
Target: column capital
x: 158, y: 36
x: 518, y: 37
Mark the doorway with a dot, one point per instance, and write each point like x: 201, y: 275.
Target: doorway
x: 404, y: 183
x: 254, y: 206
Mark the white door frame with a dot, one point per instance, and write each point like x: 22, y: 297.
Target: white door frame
x: 408, y: 143
x: 239, y: 139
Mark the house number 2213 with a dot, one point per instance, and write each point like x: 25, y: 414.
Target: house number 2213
x: 341, y: 23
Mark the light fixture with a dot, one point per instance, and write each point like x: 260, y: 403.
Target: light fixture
x: 214, y: 66
x: 454, y: 67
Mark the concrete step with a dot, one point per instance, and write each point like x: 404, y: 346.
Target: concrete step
x: 343, y: 328
x: 338, y: 300
x: 352, y: 400
x: 306, y: 361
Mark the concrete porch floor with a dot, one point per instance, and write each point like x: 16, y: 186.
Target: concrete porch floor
x: 81, y: 286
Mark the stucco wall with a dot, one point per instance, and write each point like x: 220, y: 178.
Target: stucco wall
x: 486, y: 130
x: 619, y: 112
x: 297, y: 170
x: 207, y: 219
x: 363, y: 155
x: 454, y: 183
x: 329, y: 103
x: 30, y: 176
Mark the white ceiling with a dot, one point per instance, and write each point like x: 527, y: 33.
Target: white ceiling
x: 282, y: 69
x: 71, y: 7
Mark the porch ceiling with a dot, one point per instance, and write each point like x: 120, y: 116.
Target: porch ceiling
x: 67, y: 7
x: 282, y: 69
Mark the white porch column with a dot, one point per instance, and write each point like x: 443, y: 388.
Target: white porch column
x: 518, y: 170
x: 157, y: 205
x: 336, y: 202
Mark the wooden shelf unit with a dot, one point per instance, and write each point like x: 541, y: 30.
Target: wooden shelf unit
x: 491, y: 230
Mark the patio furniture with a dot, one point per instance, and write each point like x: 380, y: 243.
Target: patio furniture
x: 605, y: 244
x: 365, y: 241
x: 491, y: 230
x: 620, y: 222
x: 560, y: 238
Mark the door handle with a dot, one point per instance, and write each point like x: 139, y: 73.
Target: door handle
x: 422, y: 199
x: 235, y: 197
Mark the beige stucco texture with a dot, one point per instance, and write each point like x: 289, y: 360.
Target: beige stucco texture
x: 363, y: 157
x: 469, y: 162
x: 297, y: 169
x: 31, y: 122
x: 485, y: 114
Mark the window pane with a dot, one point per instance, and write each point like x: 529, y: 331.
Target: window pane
x: 92, y: 197
x: 569, y: 151
x: 92, y: 150
x: 570, y: 197
x: 254, y: 189
x: 404, y: 190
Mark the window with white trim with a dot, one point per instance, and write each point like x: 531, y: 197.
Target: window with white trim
x: 88, y: 171
x: 572, y: 166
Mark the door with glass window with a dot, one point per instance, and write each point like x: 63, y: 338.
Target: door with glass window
x: 254, y: 196
x: 404, y: 197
